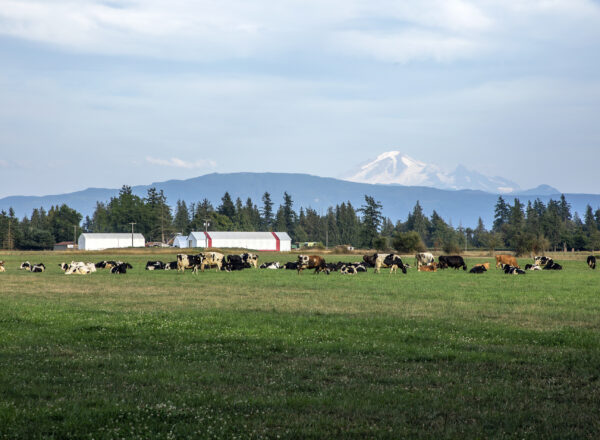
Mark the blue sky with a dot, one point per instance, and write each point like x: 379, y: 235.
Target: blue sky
x: 105, y: 93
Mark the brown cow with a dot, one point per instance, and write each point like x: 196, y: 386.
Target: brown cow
x: 486, y: 265
x: 506, y: 259
x: 315, y: 262
x: 432, y: 267
x: 2, y: 269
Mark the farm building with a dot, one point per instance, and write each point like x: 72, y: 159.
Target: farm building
x: 260, y: 241
x: 95, y: 242
x: 65, y: 246
x: 181, y: 241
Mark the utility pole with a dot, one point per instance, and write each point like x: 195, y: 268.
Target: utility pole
x: 132, y: 223
x: 206, y: 225
x: 74, y: 234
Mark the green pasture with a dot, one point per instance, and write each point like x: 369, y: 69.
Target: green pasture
x: 271, y: 354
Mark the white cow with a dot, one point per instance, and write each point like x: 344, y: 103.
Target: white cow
x: 423, y: 259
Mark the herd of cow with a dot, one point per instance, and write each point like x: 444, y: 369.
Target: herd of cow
x: 424, y: 261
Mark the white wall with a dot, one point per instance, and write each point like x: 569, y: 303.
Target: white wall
x: 90, y: 243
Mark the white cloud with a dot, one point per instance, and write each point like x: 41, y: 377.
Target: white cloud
x: 179, y: 163
x: 4, y: 164
x: 408, y: 46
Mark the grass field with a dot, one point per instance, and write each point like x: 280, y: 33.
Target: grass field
x: 268, y: 354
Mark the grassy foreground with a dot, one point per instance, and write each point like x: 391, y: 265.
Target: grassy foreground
x: 267, y: 354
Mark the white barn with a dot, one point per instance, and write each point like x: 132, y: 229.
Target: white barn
x: 260, y: 241
x: 181, y: 241
x: 99, y: 241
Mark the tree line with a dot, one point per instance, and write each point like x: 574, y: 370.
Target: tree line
x: 534, y: 227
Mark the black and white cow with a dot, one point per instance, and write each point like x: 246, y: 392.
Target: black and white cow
x: 250, y: 260
x: 234, y: 262
x: 271, y: 265
x: 591, y: 262
x: 155, y: 265
x: 188, y: 262
x: 533, y: 267
x: 348, y: 269
x: 423, y: 259
x: 551, y: 265
x: 541, y: 260
x: 454, y: 261
x: 107, y: 264
x: 171, y: 265
x: 291, y: 265
x: 121, y: 268
x: 513, y: 270
x: 33, y: 267
x: 478, y: 269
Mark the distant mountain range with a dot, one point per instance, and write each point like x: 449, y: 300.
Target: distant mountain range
x: 457, y: 206
x: 394, y: 167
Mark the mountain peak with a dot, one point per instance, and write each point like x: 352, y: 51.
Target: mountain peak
x: 394, y: 167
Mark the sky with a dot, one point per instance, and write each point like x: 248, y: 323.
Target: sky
x: 104, y: 93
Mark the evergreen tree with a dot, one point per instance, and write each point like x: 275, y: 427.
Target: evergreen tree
x: 181, y: 222
x: 227, y: 208
x: 417, y: 221
x: 267, y: 212
x: 501, y: 214
x: 371, y: 220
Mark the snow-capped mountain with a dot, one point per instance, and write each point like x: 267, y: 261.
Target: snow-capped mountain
x: 393, y: 167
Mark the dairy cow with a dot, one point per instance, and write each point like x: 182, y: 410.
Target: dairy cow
x: 271, y: 265
x: 250, y: 260
x: 315, y: 262
x: 2, y: 268
x: 478, y: 269
x: 210, y: 260
x: 155, y: 265
x: 121, y: 268
x: 188, y: 262
x: 423, y: 258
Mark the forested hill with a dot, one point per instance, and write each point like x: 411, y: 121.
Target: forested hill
x: 464, y: 206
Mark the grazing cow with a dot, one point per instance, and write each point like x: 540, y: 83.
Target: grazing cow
x: 171, y: 266
x: 188, y: 262
x: 431, y: 267
x: 234, y: 262
x: 513, y: 270
x: 486, y: 265
x: 210, y: 260
x: 532, y: 267
x: 250, y: 260
x: 271, y: 265
x: 551, y: 265
x: 393, y: 261
x: 155, y: 265
x: 315, y: 262
x: 591, y: 262
x: 291, y: 265
x: 423, y: 258
x: 506, y: 259
x: 454, y: 261
x: 121, y: 268
x: 2, y: 268
x: 348, y: 269
x: 480, y: 268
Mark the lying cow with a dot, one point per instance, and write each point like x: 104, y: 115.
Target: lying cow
x: 271, y: 265
x: 533, y: 267
x: 486, y: 265
x: 121, y: 268
x: 423, y: 258
x: 107, y: 264
x: 480, y: 268
x: 2, y: 268
x: 234, y: 262
x: 454, y: 261
x: 78, y: 267
x: 431, y: 267
x: 551, y: 265
x: 32, y: 267
x: 591, y: 262
x: 315, y: 262
x: 171, y: 266
x: 513, y: 270
x: 541, y: 260
x: 348, y: 270
x: 291, y: 265
x: 155, y: 265
x: 503, y: 259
